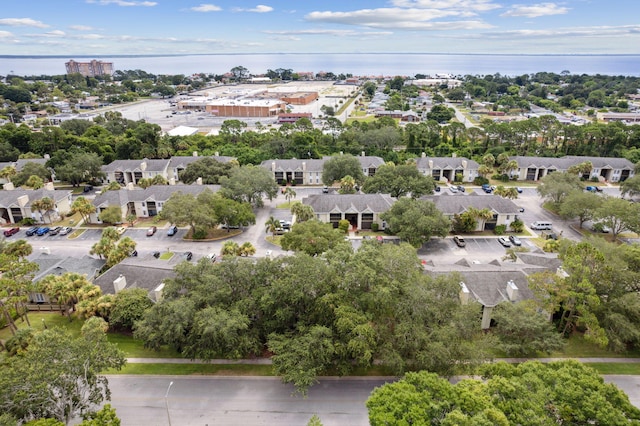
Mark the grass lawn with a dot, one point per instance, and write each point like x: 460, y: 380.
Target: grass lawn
x: 196, y: 369
x: 274, y: 240
x: 146, y: 222
x: 134, y: 348
x: 39, y: 320
x: 75, y: 234
x: 287, y: 205
x: 166, y: 255
x: 615, y: 368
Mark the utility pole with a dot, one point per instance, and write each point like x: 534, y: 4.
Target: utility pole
x: 166, y: 401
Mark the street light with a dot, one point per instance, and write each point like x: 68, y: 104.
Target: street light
x: 166, y: 401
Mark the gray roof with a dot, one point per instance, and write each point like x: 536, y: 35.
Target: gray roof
x: 136, y: 165
x: 147, y: 273
x: 184, y: 161
x: 446, y: 163
x: 450, y: 205
x: 10, y: 198
x: 316, y: 165
x: 19, y: 164
x: 350, y: 203
x: 563, y: 163
x: 53, y: 265
x: 159, y: 193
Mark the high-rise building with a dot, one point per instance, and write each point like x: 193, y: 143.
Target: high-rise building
x: 89, y: 69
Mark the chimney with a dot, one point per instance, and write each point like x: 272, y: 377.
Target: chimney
x: 194, y: 153
x: 119, y: 284
x: 143, y: 165
x: 362, y: 154
x: 217, y: 154
x: 454, y: 155
x: 273, y: 166
x: 8, y: 186
x: 47, y: 157
x: 49, y: 186
x: 304, y: 165
x: 157, y: 292
x: 172, y: 181
x: 23, y: 200
x: 464, y: 164
x: 464, y: 293
x: 430, y: 164
x: 512, y: 290
x: 199, y: 181
x: 130, y: 186
x: 424, y: 155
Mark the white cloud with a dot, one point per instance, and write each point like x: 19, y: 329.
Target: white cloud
x: 401, y: 19
x: 89, y: 36
x: 475, y: 5
x: 125, y: 3
x: 261, y: 8
x: 80, y: 27
x: 22, y: 22
x: 206, y: 8
x: 55, y: 33
x: 536, y: 10
x: 5, y: 34
x: 336, y: 33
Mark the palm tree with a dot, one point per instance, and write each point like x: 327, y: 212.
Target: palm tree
x: 246, y: 249
x: 8, y: 172
x: 302, y: 212
x: 47, y: 205
x: 510, y: 192
x: 230, y: 248
x: 43, y: 205
x: 347, y: 185
x: 289, y: 193
x: 272, y: 225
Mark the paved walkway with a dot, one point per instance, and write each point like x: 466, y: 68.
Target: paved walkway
x: 267, y: 361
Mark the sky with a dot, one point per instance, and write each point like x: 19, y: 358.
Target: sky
x: 156, y: 27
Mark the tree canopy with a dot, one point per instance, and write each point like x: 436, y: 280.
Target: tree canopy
x: 399, y: 181
x: 416, y: 221
x: 339, y: 166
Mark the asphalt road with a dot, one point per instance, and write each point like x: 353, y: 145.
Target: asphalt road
x: 247, y: 401
x: 253, y: 401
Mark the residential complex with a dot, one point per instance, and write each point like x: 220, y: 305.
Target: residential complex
x: 89, y: 69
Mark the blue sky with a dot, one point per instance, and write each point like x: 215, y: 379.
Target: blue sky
x: 112, y: 27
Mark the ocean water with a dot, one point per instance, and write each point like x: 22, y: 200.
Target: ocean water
x: 360, y: 64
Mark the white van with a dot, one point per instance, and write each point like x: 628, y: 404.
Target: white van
x: 540, y: 225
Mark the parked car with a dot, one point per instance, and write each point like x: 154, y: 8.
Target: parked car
x: 11, y: 231
x: 32, y: 231
x: 156, y: 254
x: 42, y: 231
x: 65, y: 230
x: 120, y: 230
x: 437, y: 188
x: 55, y: 231
x: 212, y: 257
x: 504, y: 241
x: 593, y: 189
x: 460, y: 188
x: 187, y: 255
x: 325, y: 190
x: 87, y: 188
x: 460, y: 242
x: 134, y: 253
x: 487, y: 188
x: 152, y: 230
x: 453, y: 189
x: 519, y: 190
x: 173, y: 230
x: 515, y: 240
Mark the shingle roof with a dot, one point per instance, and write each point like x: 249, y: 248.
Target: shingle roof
x: 452, y: 163
x: 9, y: 198
x: 350, y: 203
x: 458, y: 204
x: 147, y: 273
x: 22, y: 161
x: 131, y: 165
x: 53, y: 265
x: 186, y: 160
x: 316, y: 165
x: 154, y: 193
x: 563, y: 163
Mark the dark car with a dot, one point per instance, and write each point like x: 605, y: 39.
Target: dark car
x: 151, y: 231
x: 134, y: 253
x: 437, y: 188
x: 173, y: 230
x: 460, y: 188
x: 187, y: 255
x: 460, y: 242
x: 42, y: 231
x: 32, y: 231
x: 87, y: 188
x: 55, y: 231
x: 515, y: 240
x: 10, y: 232
x: 156, y: 254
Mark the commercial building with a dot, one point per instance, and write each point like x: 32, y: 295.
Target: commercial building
x: 89, y: 69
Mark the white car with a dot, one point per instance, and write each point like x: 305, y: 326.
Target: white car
x: 212, y: 257
x: 120, y: 230
x: 504, y: 241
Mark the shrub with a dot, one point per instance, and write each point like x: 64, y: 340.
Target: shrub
x: 458, y: 178
x: 480, y: 180
x: 595, y: 179
x: 28, y: 221
x: 343, y: 225
x: 375, y: 227
x: 199, y: 234
x: 504, y: 178
x: 517, y: 225
x: 500, y: 229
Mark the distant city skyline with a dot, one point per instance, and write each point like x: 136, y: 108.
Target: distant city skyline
x: 144, y: 27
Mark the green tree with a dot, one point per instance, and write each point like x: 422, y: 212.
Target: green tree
x: 629, y: 187
x: 81, y: 167
x: 416, y: 221
x: 34, y: 182
x: 246, y: 249
x: 581, y: 205
x: 440, y: 114
x: 302, y: 212
x: 104, y: 417
x: 32, y: 169
x: 64, y: 289
x: 111, y: 215
x: 289, y: 193
x: 339, y: 166
x: 312, y: 237
x: 43, y: 206
x: 197, y: 212
x: 232, y: 213
x: 272, y: 225
x: 620, y: 215
x: 508, y: 394
x: 207, y: 168
x: 84, y: 207
x: 399, y: 181
x: 59, y: 374
x: 522, y: 331
x: 347, y: 185
x: 249, y: 184
x: 555, y: 186
x: 506, y: 192
x: 230, y: 248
